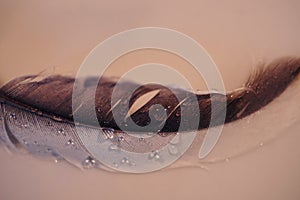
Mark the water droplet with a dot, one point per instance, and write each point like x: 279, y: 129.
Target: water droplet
x: 108, y: 133
x: 154, y: 155
x: 61, y: 131
x: 169, y: 107
x: 173, y: 150
x: 25, y: 125
x: 261, y: 144
x: 57, y: 157
x: 35, y: 142
x: 98, y: 110
x: 25, y: 142
x: 141, y: 139
x: 89, y: 162
x: 125, y: 160
x: 13, y: 116
x: 227, y: 160
x: 116, y: 165
x: 70, y: 142
x: 39, y: 113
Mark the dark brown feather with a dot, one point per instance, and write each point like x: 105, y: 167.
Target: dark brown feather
x: 53, y: 97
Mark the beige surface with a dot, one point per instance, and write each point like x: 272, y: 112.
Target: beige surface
x: 237, y: 34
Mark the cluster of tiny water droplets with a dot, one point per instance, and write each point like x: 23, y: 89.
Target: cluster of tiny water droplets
x: 70, y: 142
x: 13, y: 116
x: 19, y: 121
x: 109, y: 134
x: 61, y: 131
x: 127, y: 161
x: 154, y: 155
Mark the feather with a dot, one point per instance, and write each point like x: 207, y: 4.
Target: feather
x: 53, y: 97
x: 36, y: 114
